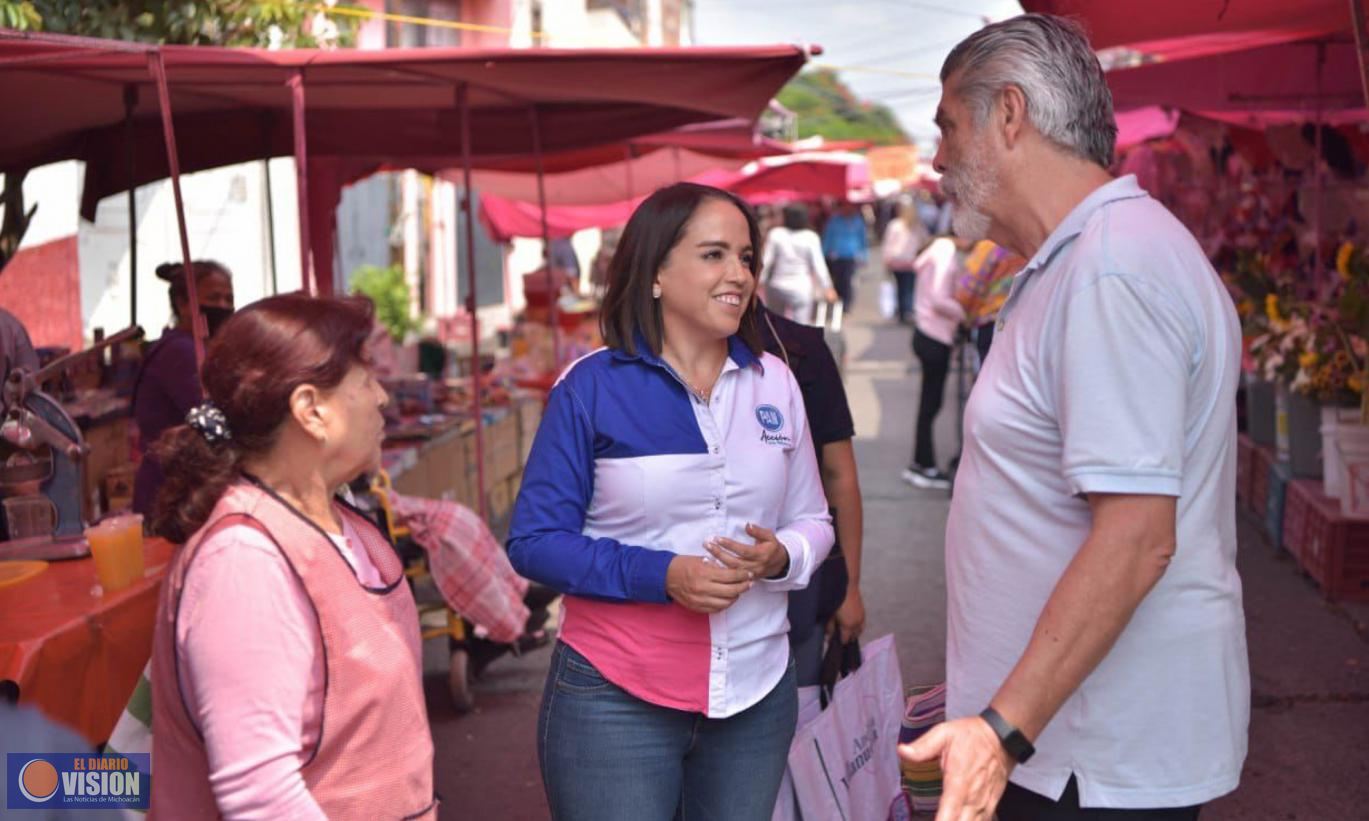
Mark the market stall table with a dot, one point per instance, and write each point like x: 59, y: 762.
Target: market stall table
x: 74, y: 655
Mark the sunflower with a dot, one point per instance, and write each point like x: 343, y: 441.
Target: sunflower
x: 1343, y: 258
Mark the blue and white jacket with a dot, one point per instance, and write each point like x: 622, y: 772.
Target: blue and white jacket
x: 629, y: 470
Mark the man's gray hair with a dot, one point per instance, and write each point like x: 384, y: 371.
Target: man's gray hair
x: 1050, y: 60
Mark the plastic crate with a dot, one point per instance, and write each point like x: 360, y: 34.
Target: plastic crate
x: 1279, y: 475
x: 1262, y: 463
x: 1295, y: 511
x: 1331, y: 548
x: 1245, y: 468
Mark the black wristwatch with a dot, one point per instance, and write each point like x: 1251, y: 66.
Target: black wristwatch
x: 1009, y: 736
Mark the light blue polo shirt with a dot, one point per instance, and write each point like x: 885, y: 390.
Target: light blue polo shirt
x: 1113, y: 370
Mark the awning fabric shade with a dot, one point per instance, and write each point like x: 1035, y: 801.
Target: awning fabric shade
x: 397, y: 106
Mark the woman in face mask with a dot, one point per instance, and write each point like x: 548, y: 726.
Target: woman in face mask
x: 168, y: 385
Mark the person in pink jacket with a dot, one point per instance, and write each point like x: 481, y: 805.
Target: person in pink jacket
x: 937, y: 315
x: 286, y: 664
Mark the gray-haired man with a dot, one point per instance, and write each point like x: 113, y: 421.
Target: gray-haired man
x: 1094, y: 606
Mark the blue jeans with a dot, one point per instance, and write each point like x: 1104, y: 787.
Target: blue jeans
x: 609, y: 756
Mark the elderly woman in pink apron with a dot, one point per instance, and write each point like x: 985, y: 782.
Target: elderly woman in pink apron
x: 286, y: 661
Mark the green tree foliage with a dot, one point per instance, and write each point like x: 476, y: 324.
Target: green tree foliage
x: 826, y: 106
x: 390, y: 293
x: 285, y: 23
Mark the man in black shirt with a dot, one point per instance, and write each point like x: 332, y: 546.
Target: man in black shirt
x: 834, y: 593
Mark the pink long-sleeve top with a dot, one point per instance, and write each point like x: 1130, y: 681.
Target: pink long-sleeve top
x: 935, y: 309
x: 251, y: 660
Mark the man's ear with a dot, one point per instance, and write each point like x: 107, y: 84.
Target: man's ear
x: 1012, y: 114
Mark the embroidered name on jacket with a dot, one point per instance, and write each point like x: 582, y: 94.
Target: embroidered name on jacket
x: 772, y: 421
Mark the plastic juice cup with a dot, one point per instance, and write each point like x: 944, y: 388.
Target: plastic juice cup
x: 132, y: 545
x: 105, y: 550
x: 116, y: 545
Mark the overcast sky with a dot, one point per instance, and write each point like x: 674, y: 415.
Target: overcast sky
x: 866, y: 40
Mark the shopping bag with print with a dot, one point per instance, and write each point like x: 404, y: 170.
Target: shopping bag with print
x: 786, y: 805
x: 845, y: 762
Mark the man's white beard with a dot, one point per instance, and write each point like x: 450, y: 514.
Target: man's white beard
x: 967, y: 223
x: 972, y: 186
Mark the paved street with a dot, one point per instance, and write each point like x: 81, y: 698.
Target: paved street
x: 1309, y: 757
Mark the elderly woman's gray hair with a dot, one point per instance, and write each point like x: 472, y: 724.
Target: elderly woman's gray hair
x: 1050, y: 60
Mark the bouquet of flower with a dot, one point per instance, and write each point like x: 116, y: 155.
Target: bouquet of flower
x: 1326, y: 362
x: 1286, y: 335
x: 1352, y: 266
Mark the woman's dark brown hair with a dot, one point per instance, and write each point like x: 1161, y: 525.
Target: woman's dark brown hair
x: 259, y: 357
x: 653, y: 230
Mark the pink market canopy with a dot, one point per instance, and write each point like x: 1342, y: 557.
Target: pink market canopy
x: 396, y: 105
x: 807, y: 176
x: 1205, y: 26
x: 1296, y: 79
x: 641, y: 165
x: 1251, y: 62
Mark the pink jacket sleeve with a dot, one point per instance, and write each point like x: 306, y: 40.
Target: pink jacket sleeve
x: 251, y: 661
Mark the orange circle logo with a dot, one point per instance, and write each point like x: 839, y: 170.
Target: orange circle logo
x: 38, y: 780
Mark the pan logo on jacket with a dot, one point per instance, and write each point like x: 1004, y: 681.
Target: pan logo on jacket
x: 772, y: 421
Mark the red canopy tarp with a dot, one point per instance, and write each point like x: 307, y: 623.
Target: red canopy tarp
x: 1208, y: 26
x: 1148, y: 123
x: 637, y: 166
x: 1306, y: 77
x: 396, y: 105
x: 800, y: 177
x: 506, y: 219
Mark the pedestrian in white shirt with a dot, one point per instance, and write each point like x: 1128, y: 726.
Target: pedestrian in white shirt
x: 1096, y: 654
x: 793, y: 270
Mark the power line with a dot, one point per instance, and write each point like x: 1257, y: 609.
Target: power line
x: 916, y: 4
x: 786, y: 5
x: 430, y: 22
x: 893, y: 72
x: 905, y: 54
x: 906, y: 94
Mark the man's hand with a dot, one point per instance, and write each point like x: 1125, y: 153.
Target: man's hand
x: 974, y: 767
x: 850, y: 617
x: 695, y: 584
x: 765, y: 559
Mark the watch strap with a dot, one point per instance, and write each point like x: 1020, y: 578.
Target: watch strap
x: 1012, y: 739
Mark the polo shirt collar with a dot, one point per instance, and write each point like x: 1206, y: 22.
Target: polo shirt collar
x: 1122, y: 188
x: 737, y: 351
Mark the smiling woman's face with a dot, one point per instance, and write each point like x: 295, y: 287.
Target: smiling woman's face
x: 706, y: 281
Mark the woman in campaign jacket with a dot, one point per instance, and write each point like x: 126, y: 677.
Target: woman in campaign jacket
x: 673, y: 495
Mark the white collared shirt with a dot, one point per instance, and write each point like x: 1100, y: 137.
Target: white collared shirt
x: 1113, y: 370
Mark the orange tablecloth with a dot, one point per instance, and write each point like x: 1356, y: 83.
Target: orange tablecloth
x: 74, y: 655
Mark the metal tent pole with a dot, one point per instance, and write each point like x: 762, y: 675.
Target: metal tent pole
x: 463, y: 102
